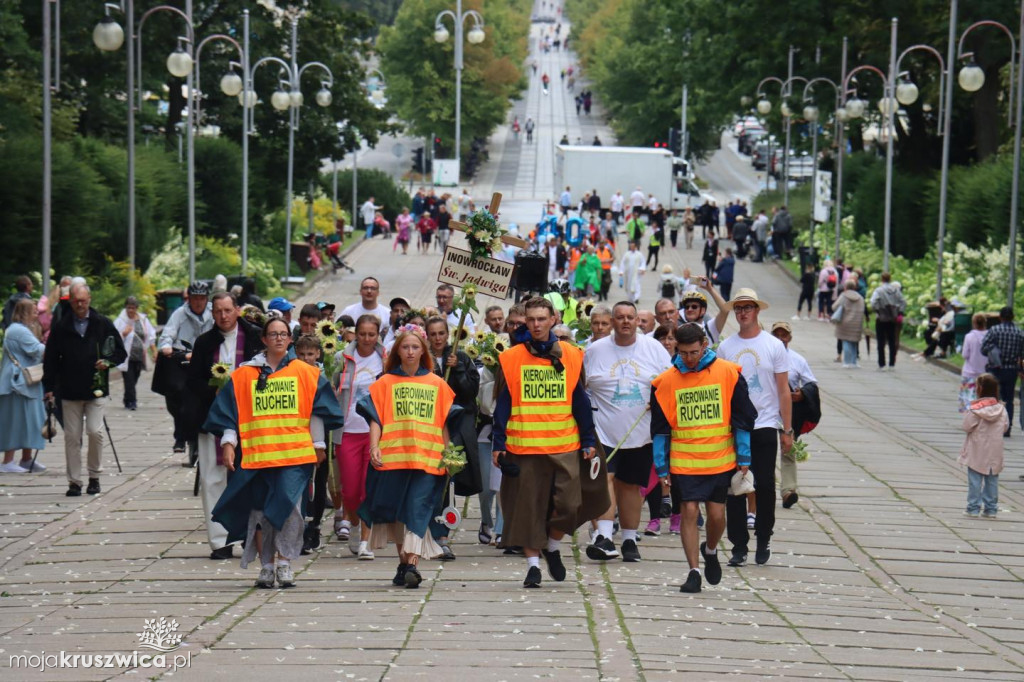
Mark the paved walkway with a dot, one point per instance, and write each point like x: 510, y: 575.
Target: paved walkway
x: 875, y: 574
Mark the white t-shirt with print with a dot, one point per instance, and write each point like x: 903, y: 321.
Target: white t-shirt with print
x: 367, y: 370
x: 619, y: 382
x: 761, y: 358
x: 356, y: 310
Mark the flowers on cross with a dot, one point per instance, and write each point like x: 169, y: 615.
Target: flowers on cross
x: 484, y: 234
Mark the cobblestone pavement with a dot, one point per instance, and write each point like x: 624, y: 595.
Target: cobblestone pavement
x: 875, y: 574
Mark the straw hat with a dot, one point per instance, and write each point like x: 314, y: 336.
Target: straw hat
x: 746, y: 295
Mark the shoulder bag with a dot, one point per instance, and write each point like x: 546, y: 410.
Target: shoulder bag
x: 32, y: 374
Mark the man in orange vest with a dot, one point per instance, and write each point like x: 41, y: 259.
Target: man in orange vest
x: 701, y: 419
x: 542, y: 420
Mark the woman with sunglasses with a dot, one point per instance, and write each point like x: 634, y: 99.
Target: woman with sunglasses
x: 271, y: 418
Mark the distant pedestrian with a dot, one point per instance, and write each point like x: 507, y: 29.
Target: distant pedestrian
x: 81, y: 349
x: 808, y: 283
x: 850, y: 327
x: 1004, y: 346
x: 982, y: 452
x: 597, y: 141
x: 782, y: 233
x: 21, y: 402
x: 22, y: 290
x: 974, y: 362
x: 544, y: 81
x: 579, y: 104
x: 724, y: 273
x: 710, y: 255
x: 888, y: 304
x: 528, y: 127
x: 369, y: 211
x: 139, y: 340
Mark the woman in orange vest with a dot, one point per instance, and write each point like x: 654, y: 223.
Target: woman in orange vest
x: 270, y: 419
x: 407, y: 409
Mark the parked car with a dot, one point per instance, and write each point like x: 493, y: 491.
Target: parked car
x: 744, y: 123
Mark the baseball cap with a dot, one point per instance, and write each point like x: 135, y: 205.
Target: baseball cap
x: 280, y: 303
x: 784, y: 326
x: 399, y: 300
x: 324, y: 304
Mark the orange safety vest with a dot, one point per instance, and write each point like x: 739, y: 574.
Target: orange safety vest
x: 273, y: 424
x: 541, y: 422
x: 412, y: 412
x: 605, y: 253
x: 574, y: 258
x: 698, y: 407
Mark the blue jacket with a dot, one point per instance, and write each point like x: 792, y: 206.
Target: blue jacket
x: 724, y: 271
x: 23, y: 346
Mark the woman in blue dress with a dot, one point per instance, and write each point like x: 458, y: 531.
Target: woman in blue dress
x: 21, y: 405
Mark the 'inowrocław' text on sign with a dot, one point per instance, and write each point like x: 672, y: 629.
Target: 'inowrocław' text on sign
x: 413, y: 402
x: 281, y: 396
x: 700, y: 405
x: 489, y: 275
x: 541, y: 384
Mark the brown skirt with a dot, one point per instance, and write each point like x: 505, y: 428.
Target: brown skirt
x: 551, y: 491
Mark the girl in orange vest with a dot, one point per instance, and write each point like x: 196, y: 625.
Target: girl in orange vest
x: 271, y: 419
x: 408, y: 409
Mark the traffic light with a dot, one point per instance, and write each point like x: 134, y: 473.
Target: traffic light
x: 675, y: 141
x: 417, y: 160
x: 438, y: 151
x: 658, y: 144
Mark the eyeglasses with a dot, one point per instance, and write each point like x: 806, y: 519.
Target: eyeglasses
x: 690, y: 353
x: 744, y: 308
x: 371, y: 288
x: 278, y: 335
x: 693, y: 306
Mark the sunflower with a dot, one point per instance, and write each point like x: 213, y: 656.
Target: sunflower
x: 480, y: 336
x: 500, y: 346
x: 488, y: 360
x: 588, y: 307
x: 220, y: 370
x: 328, y: 345
x: 469, y: 291
x: 461, y: 334
x: 325, y: 329
x: 472, y: 352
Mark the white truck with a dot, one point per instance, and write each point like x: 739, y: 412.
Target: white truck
x: 611, y: 169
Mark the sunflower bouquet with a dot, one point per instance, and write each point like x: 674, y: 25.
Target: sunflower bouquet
x: 220, y: 374
x: 254, y: 315
x: 486, y: 347
x: 799, y: 452
x: 453, y: 459
x: 330, y: 343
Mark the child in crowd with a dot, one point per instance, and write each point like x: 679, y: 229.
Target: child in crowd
x: 808, y: 282
x: 985, y: 422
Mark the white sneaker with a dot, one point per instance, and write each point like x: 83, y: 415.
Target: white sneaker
x: 12, y: 467
x: 38, y: 466
x: 343, y: 530
x: 364, y: 552
x: 285, y: 576
x: 795, y: 317
x: 266, y: 577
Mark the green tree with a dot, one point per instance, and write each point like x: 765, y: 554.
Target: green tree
x: 420, y: 72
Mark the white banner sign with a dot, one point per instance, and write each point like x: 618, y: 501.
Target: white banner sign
x: 490, y: 276
x: 822, y: 195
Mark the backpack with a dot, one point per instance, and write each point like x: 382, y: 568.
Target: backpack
x: 831, y: 280
x: 668, y: 289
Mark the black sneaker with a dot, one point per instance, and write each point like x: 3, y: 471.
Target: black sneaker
x: 763, y: 553
x: 532, y: 577
x: 692, y: 583
x: 399, y: 578
x: 179, y: 447
x: 712, y: 567
x: 513, y: 550
x: 306, y: 549
x: 74, y: 490
x: 556, y: 569
x: 221, y: 554
x: 738, y: 558
x: 630, y: 553
x: 446, y: 553
x: 94, y: 486
x: 412, y: 577
x: 602, y: 549
x: 789, y: 499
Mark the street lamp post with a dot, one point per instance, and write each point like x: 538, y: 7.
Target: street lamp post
x: 764, y: 107
x: 811, y: 113
x: 51, y: 82
x: 475, y: 36
x: 906, y: 93
x: 971, y: 78
x: 282, y: 100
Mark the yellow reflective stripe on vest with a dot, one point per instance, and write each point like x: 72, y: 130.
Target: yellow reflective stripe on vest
x: 569, y: 423
x: 274, y: 439
x: 702, y: 433
x: 518, y: 410
x: 418, y: 427
x: 535, y: 442
x: 394, y: 443
x: 682, y: 462
x: 272, y: 424
x: 286, y: 454
x: 702, y: 447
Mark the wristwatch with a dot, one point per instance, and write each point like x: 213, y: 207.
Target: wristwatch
x: 788, y: 432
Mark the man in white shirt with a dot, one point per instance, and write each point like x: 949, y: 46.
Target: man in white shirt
x: 636, y: 199
x: 618, y: 370
x: 800, y: 375
x: 766, y: 369
x: 368, y: 211
x: 565, y: 201
x: 369, y: 291
x: 445, y: 297
x: 616, y: 204
x: 464, y: 202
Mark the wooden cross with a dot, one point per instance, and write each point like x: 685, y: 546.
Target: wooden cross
x: 493, y: 208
